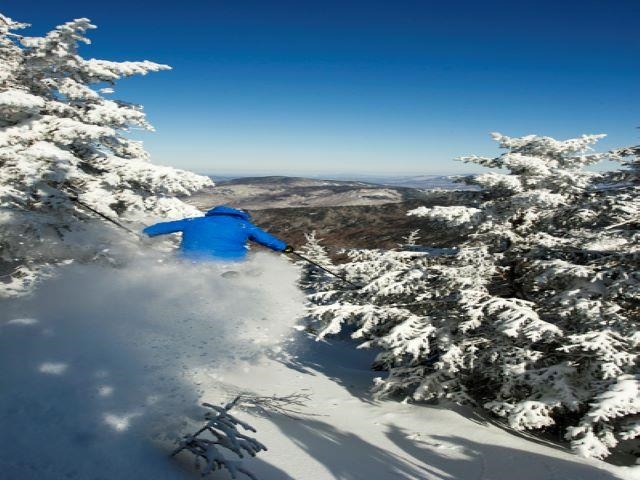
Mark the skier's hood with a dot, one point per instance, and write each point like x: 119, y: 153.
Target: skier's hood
x: 224, y: 210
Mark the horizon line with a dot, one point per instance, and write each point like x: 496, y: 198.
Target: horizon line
x: 332, y: 174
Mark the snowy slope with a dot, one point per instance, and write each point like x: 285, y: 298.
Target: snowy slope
x: 104, y: 368
x: 346, y: 435
x: 99, y: 363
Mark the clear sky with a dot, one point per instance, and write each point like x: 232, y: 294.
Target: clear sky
x: 301, y: 87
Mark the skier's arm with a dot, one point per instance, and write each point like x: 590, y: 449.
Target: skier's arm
x: 163, y: 228
x: 263, y: 238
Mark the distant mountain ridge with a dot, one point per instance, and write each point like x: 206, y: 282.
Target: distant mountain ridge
x: 258, y: 193
x: 426, y: 182
x: 281, y: 180
x: 278, y: 191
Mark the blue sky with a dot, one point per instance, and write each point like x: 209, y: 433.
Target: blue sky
x: 398, y: 87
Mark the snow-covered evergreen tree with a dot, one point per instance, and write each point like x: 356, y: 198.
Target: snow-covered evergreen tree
x: 535, y: 316
x: 63, y: 147
x: 312, y: 277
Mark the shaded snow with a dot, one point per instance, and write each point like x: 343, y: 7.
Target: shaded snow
x: 100, y: 361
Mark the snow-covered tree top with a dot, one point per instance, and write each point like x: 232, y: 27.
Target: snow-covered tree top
x: 65, y: 147
x: 535, y: 162
x: 57, y: 128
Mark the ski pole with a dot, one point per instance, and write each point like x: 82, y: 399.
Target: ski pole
x: 108, y: 219
x: 326, y: 270
x: 73, y: 196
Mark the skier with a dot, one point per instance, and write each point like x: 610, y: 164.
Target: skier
x: 221, y: 234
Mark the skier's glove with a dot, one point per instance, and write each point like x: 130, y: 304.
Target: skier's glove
x: 288, y: 249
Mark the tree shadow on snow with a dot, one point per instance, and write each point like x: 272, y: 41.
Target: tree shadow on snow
x: 350, y: 457
x: 345, y: 455
x: 485, y: 418
x: 336, y: 358
x: 457, y: 457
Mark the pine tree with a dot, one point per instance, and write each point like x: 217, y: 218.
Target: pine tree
x: 535, y: 316
x: 312, y: 277
x: 64, y: 144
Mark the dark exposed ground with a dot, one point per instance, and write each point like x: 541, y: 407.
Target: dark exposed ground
x: 362, y: 226
x: 366, y: 226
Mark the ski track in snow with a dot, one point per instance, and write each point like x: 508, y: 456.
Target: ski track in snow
x: 103, y: 369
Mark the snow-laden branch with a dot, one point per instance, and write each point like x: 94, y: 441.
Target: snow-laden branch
x: 222, y: 428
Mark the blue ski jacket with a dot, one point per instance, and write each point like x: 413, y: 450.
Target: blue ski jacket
x: 221, y: 234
